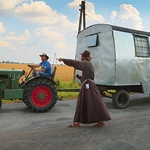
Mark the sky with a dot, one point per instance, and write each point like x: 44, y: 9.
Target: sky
x: 29, y: 28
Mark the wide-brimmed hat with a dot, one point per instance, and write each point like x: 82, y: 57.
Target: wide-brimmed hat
x: 44, y: 55
x: 86, y: 54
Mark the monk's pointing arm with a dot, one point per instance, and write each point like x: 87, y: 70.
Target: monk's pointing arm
x: 74, y: 63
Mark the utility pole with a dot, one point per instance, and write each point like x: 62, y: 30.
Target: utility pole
x: 54, y: 60
x: 82, y: 16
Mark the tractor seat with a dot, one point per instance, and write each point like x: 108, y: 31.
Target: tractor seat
x: 53, y: 72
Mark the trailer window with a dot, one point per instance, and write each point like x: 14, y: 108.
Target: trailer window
x: 91, y: 40
x: 141, y: 46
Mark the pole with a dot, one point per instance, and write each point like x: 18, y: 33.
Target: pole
x: 54, y: 60
x: 80, y: 18
x: 82, y: 15
x: 84, y: 19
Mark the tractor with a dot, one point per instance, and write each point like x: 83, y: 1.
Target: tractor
x: 38, y: 93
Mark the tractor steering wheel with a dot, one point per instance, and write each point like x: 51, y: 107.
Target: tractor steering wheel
x: 29, y: 74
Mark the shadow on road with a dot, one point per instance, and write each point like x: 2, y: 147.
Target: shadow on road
x: 140, y: 101
x: 12, y: 108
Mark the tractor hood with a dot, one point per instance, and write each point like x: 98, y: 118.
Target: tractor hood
x: 12, y: 72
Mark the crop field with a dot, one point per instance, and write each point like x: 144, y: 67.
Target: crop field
x: 63, y: 73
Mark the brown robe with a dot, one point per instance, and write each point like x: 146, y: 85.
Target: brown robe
x: 90, y: 106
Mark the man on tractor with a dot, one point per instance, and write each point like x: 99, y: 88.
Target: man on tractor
x: 45, y: 70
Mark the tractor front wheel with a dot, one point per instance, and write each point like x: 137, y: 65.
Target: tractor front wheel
x: 40, y: 95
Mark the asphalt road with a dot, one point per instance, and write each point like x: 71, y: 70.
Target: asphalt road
x: 129, y: 129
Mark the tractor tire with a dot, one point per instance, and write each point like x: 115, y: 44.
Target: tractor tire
x: 121, y: 99
x: 40, y: 95
x: 0, y: 102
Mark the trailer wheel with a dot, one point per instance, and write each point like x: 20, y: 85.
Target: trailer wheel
x: 0, y: 102
x: 121, y: 99
x: 40, y: 95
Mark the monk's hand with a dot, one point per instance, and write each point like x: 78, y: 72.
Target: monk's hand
x: 60, y: 59
x: 79, y: 77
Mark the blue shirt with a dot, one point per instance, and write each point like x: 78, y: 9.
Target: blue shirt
x: 47, y: 66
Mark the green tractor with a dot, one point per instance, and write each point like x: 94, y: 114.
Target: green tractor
x: 38, y: 93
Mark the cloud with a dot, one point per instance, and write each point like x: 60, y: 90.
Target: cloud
x: 41, y: 14
x: 57, y: 40
x: 113, y: 15
x: 15, y: 42
x: 53, y: 32
x: 127, y: 16
x: 4, y: 43
x: 7, y: 6
x: 2, y: 29
x: 21, y: 39
x: 17, y: 48
x: 47, y: 32
x: 75, y: 4
x: 37, y: 12
x: 91, y: 15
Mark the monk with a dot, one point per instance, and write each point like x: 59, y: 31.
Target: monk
x: 90, y: 106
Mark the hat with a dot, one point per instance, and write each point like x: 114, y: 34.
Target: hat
x: 44, y: 55
x: 86, y: 54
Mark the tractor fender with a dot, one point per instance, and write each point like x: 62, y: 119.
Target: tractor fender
x: 39, y: 78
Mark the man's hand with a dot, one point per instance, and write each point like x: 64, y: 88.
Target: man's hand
x: 33, y: 66
x: 34, y: 70
x: 60, y: 59
x: 30, y: 65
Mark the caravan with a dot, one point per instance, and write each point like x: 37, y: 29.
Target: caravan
x: 121, y: 58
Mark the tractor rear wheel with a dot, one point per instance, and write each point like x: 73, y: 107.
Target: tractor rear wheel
x: 0, y: 102
x: 40, y: 95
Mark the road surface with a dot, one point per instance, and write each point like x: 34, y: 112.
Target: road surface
x: 129, y: 129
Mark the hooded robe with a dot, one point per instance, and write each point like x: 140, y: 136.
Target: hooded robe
x: 90, y: 106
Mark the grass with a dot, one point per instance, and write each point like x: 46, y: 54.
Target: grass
x: 68, y: 85
x: 68, y: 95
x: 11, y: 101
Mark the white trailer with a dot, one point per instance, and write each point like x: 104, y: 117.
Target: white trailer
x: 121, y: 58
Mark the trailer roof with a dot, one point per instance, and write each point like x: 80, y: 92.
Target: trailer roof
x: 130, y: 30
x: 123, y: 29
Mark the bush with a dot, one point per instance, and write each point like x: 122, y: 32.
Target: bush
x: 67, y: 85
